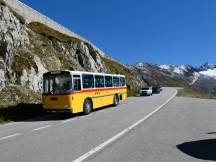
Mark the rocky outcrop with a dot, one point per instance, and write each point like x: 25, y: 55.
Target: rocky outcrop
x: 25, y: 54
x: 12, y: 37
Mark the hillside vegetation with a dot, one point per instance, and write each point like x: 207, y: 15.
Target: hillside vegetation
x: 191, y: 92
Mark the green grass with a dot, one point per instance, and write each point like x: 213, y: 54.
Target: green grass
x: 45, y: 43
x: 191, y: 92
x: 49, y: 32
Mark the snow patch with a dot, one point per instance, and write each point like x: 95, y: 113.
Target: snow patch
x: 140, y: 64
x: 178, y: 70
x: 166, y: 67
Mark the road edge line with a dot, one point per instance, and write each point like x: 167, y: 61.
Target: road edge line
x: 40, y: 128
x: 10, y: 136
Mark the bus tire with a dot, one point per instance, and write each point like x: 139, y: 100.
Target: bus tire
x: 115, y: 100
x: 87, y: 107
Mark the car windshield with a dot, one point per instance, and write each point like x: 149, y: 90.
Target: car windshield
x: 57, y: 84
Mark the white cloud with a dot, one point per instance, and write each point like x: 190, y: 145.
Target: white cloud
x: 209, y: 73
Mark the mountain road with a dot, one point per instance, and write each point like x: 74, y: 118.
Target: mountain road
x: 154, y: 128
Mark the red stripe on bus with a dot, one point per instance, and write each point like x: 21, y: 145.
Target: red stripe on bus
x: 91, y: 90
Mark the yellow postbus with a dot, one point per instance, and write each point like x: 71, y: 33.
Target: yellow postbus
x: 76, y: 91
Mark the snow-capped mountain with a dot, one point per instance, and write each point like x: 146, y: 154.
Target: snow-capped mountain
x: 182, y: 69
x: 207, y: 70
x: 173, y: 68
x: 203, y: 77
x: 207, y: 66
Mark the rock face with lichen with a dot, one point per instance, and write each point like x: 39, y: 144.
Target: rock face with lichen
x: 12, y: 37
x: 27, y: 50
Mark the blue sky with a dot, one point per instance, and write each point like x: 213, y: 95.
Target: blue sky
x: 155, y: 31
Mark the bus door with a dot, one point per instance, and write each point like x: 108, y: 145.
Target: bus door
x: 77, y: 97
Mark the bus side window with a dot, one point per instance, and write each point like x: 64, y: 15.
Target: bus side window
x: 122, y: 81
x: 88, y: 81
x: 99, y: 81
x: 115, y: 81
x: 108, y: 81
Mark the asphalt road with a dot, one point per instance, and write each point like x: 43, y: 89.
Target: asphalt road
x: 141, y: 129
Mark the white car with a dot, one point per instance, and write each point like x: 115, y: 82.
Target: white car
x: 147, y: 91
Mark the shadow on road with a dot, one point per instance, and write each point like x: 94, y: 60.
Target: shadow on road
x: 21, y: 112
x: 34, y: 113
x: 203, y: 149
x: 30, y: 112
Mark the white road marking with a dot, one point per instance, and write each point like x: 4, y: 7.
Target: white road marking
x: 68, y: 120
x: 47, y: 126
x: 117, y: 136
x: 10, y: 136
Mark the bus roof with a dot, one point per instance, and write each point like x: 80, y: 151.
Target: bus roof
x: 81, y: 72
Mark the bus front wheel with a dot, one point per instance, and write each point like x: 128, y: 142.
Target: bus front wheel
x: 115, y: 100
x: 87, y: 107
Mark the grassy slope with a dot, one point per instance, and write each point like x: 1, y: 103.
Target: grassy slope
x: 49, y: 32
x: 190, y: 92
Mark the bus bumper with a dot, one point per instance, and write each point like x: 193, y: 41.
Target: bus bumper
x: 62, y: 110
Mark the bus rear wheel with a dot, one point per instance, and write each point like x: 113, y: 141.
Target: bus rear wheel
x: 87, y: 107
x: 115, y: 100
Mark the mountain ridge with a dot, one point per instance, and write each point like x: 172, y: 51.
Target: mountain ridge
x: 201, y: 78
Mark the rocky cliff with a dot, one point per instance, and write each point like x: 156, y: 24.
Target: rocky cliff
x: 28, y: 49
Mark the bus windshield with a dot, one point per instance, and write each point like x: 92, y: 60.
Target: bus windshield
x: 57, y: 83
